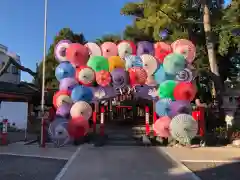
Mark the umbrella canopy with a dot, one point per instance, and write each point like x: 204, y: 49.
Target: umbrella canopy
x: 81, y: 108
x: 60, y: 50
x: 126, y: 48
x: 103, y: 78
x: 166, y: 89
x: 174, y: 63
x: 160, y: 75
x: 183, y: 128
x: 185, y: 91
x: 64, y: 70
x: 109, y: 49
x: 163, y: 107
x: 162, y: 49
x: 150, y: 64
x: 115, y: 62
x: 85, y: 75
x: 67, y: 84
x: 93, y: 49
x: 185, y: 75
x: 119, y: 78
x: 161, y: 126
x: 63, y: 110
x: 180, y: 107
x: 77, y: 54
x: 132, y: 61
x: 137, y: 76
x: 78, y: 127
x: 145, y: 47
x: 61, y: 97
x: 98, y: 63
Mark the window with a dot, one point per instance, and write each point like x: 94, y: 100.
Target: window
x: 14, y: 70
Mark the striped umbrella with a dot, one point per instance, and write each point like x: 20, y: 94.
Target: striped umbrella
x: 137, y: 76
x: 103, y: 78
x: 163, y: 107
x: 126, y: 48
x: 186, y: 48
x: 173, y: 63
x: 85, y: 75
x: 109, y: 49
x: 180, y: 107
x: 81, y: 108
x: 150, y: 64
x: 58, y: 132
x: 93, y: 49
x: 60, y: 50
x: 161, y: 127
x: 183, y: 128
x: 132, y: 61
x: 185, y: 75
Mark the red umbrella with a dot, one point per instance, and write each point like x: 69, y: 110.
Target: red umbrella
x: 77, y: 54
x: 137, y: 76
x: 78, y: 127
x: 185, y: 91
x: 162, y: 49
x: 61, y: 97
x: 103, y: 78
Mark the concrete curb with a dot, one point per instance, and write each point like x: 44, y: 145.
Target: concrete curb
x: 179, y: 164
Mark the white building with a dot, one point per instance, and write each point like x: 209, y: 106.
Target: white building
x: 12, y: 75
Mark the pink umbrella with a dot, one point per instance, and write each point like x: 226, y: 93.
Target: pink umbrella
x: 161, y: 126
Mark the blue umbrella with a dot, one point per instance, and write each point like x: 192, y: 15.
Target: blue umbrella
x: 160, y: 75
x: 82, y: 93
x: 64, y: 70
x: 163, y: 107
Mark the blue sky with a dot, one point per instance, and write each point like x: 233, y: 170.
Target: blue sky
x: 22, y: 23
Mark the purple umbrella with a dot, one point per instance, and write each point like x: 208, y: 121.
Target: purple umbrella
x: 64, y: 110
x: 119, y: 78
x: 67, y: 84
x: 145, y: 47
x: 180, y: 107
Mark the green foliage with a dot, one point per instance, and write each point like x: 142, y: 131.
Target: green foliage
x: 109, y: 38
x: 51, y: 63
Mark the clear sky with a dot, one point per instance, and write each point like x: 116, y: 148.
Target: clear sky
x: 21, y: 23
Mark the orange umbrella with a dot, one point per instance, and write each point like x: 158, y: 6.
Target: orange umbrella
x: 103, y: 78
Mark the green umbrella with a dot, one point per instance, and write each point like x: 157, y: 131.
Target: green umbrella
x: 98, y: 63
x: 166, y: 89
x: 174, y: 63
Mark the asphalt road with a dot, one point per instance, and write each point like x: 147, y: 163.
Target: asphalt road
x: 29, y: 168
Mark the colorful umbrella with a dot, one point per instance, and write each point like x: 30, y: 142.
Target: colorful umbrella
x: 162, y: 49
x: 93, y: 49
x: 64, y: 70
x: 151, y: 81
x: 85, y: 75
x: 132, y: 61
x: 103, y: 78
x: 98, y: 63
x: 174, y: 63
x: 81, y: 108
x: 81, y: 93
x: 98, y: 93
x: 78, y: 127
x: 186, y: 48
x: 126, y: 48
x: 185, y: 91
x: 115, y: 62
x: 77, y: 54
x: 185, y: 75
x: 67, y: 84
x: 180, y: 107
x: 166, y: 89
x: 60, y: 50
x: 183, y: 128
x: 160, y: 75
x: 150, y: 64
x: 61, y: 97
x: 119, y: 78
x: 137, y: 76
x: 163, y: 107
x: 145, y: 47
x: 64, y: 110
x: 109, y: 49
x: 161, y: 127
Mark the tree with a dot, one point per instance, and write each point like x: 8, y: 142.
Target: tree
x: 109, y: 38
x: 51, y: 62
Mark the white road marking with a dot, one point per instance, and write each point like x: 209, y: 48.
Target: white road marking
x: 32, y: 155
x: 210, y: 161
x: 67, y: 165
x: 179, y: 164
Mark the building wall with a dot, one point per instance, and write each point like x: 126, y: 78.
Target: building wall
x: 13, y: 75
